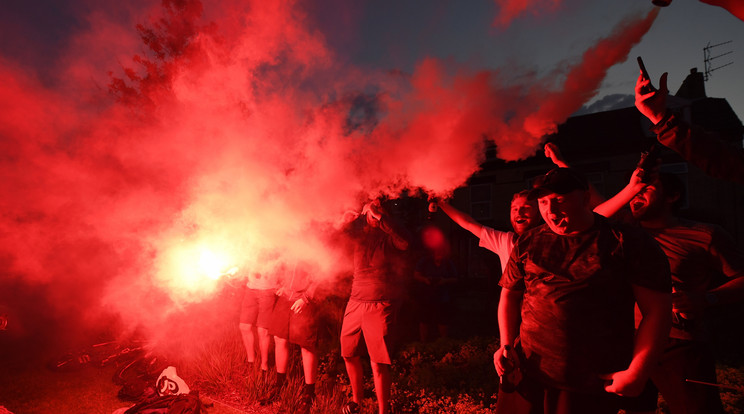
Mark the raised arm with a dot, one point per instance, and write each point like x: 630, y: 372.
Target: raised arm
x: 399, y: 236
x: 554, y: 153
x: 464, y: 220
x: 622, y: 198
x: 650, y: 101
x: 705, y: 150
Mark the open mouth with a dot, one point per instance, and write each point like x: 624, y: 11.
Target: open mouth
x: 520, y: 220
x: 559, y: 221
x: 637, y: 205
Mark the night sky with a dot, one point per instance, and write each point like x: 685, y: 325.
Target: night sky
x: 398, y: 34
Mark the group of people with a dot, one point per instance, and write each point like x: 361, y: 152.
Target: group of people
x: 283, y: 305
x: 598, y: 311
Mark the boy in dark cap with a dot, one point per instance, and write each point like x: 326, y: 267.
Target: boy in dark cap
x: 569, y: 289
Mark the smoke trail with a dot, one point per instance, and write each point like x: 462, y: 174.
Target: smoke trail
x: 237, y: 134
x: 511, y: 9
x: 583, y: 80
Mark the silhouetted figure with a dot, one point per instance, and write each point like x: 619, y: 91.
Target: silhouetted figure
x: 373, y: 305
x: 435, y: 275
x: 255, y: 315
x: 699, y: 255
x: 294, y: 320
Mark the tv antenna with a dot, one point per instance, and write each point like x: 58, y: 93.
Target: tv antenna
x: 708, y: 59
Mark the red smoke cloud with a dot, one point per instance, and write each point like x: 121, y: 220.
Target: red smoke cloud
x: 242, y: 134
x: 583, y: 80
x: 511, y: 9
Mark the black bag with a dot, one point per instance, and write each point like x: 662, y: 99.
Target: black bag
x: 169, y: 404
x: 187, y: 404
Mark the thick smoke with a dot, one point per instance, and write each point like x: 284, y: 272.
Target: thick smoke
x: 236, y: 135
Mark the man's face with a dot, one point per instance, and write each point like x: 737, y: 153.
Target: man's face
x: 523, y: 214
x: 565, y: 213
x: 648, y: 203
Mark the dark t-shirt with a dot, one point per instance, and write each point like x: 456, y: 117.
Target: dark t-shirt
x: 577, y: 311
x: 701, y: 256
x: 377, y: 263
x: 428, y: 268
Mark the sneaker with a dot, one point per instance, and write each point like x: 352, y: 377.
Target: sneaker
x: 350, y: 408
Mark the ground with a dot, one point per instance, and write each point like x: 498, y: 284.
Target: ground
x: 34, y: 389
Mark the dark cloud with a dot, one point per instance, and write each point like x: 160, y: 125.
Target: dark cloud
x: 607, y: 103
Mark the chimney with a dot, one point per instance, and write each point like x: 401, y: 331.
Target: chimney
x: 693, y: 87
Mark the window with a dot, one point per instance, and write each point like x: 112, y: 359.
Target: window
x: 480, y: 201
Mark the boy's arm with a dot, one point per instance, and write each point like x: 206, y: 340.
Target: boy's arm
x: 464, y: 220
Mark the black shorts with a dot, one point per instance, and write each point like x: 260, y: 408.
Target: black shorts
x: 297, y: 328
x: 532, y: 397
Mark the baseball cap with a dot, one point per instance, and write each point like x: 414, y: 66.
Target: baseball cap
x: 558, y: 181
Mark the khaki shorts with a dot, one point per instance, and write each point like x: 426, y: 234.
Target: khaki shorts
x: 257, y: 306
x: 374, y: 321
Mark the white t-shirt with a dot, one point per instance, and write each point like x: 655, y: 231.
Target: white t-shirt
x: 499, y: 242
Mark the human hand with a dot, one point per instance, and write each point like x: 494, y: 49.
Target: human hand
x: 505, y: 360
x: 642, y: 176
x: 279, y: 291
x: 624, y: 383
x: 554, y: 153
x: 687, y: 303
x: 373, y: 209
x: 651, y: 104
x: 299, y: 305
x: 636, y: 179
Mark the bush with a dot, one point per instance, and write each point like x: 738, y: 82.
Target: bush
x: 448, y: 375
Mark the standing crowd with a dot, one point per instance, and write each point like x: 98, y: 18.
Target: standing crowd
x: 600, y: 310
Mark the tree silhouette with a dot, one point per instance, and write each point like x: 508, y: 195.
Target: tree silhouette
x: 170, y: 42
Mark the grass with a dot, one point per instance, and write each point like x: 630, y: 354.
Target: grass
x: 448, y: 375
x: 445, y: 376
x: 27, y: 386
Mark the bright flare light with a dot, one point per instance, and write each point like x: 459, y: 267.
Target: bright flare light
x: 211, y: 265
x: 191, y: 271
